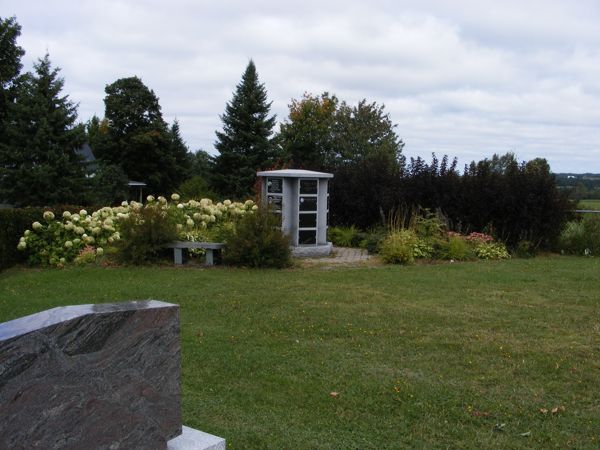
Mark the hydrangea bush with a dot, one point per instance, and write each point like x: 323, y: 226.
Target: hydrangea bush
x: 60, y: 240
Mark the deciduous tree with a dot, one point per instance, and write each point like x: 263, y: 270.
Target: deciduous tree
x: 136, y: 138
x: 307, y: 134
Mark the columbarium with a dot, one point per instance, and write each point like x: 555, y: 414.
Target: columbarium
x: 301, y: 199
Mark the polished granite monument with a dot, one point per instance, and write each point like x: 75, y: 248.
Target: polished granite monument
x: 92, y: 377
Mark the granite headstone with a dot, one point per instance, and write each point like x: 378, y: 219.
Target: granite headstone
x: 91, y: 377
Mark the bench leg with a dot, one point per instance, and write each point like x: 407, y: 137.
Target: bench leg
x: 178, y: 254
x: 209, y: 261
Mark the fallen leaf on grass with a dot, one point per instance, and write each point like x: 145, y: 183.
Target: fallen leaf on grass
x: 499, y: 427
x: 554, y: 410
x: 334, y: 394
x: 526, y: 434
x: 477, y: 413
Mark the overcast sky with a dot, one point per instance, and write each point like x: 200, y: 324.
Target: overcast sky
x: 464, y: 78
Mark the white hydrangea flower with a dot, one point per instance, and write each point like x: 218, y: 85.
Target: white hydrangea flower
x: 68, y: 244
x: 22, y: 245
x: 149, y: 199
x: 124, y: 203
x: 162, y: 200
x: 227, y: 202
x: 48, y: 216
x: 66, y: 215
x: 255, y: 207
x: 83, y: 213
x: 175, y: 197
x: 99, y: 251
x: 36, y: 226
x: 190, y: 223
x: 27, y: 232
x: 180, y: 205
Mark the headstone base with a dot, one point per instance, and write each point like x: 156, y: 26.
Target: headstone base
x: 191, y: 439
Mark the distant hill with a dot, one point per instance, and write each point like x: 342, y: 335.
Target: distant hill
x: 583, y: 185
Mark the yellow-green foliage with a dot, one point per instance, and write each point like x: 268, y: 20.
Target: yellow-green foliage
x: 491, y: 250
x: 398, y: 247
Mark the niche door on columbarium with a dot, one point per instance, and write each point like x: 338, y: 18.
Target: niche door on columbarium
x: 301, y: 198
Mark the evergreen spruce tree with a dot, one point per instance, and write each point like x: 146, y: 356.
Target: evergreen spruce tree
x: 182, y: 155
x: 10, y: 64
x: 38, y: 160
x: 245, y: 144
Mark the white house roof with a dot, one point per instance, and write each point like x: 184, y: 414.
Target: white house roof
x: 294, y: 173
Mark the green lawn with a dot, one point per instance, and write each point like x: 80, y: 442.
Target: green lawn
x: 430, y: 356
x: 589, y: 204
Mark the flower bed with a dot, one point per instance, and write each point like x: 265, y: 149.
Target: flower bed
x: 82, y: 236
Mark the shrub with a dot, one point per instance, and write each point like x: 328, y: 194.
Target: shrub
x: 344, y: 236
x: 428, y: 225
x: 256, y: 241
x: 456, y: 248
x: 398, y: 247
x: 57, y: 238
x: 525, y: 249
x: 371, y: 240
x: 196, y: 187
x: 13, y: 223
x: 581, y: 237
x: 491, y: 250
x: 144, y: 233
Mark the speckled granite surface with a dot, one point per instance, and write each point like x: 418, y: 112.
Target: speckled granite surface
x: 91, y: 376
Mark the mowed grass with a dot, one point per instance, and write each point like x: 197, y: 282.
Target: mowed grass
x: 432, y: 356
x: 592, y: 204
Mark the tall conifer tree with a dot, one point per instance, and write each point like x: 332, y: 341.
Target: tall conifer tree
x: 245, y: 144
x: 10, y: 63
x: 38, y: 160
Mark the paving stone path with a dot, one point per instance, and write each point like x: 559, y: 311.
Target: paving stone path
x: 342, y: 255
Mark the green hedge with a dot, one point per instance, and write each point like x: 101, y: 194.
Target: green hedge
x: 13, y: 223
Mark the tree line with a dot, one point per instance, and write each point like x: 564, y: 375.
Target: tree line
x: 358, y: 143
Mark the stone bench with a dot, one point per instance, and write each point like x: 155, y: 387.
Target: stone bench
x: 210, y: 247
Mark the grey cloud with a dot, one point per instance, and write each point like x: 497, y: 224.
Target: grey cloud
x: 466, y: 78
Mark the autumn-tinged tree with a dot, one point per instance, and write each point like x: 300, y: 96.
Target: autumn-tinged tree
x: 307, y: 135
